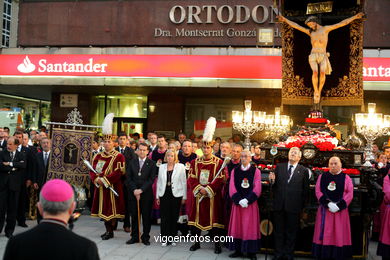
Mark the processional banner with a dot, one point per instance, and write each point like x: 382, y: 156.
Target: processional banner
x: 69, y: 148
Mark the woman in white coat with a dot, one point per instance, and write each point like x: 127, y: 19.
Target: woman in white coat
x: 171, y: 193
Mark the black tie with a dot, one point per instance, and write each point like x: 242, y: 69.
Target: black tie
x: 12, y: 156
x: 290, y: 172
x: 122, y: 151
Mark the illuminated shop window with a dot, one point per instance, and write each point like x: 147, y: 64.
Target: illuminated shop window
x: 128, y: 106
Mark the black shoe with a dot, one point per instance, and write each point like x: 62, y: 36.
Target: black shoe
x: 102, y: 235
x: 217, y: 248
x: 9, y: 235
x: 22, y: 225
x: 235, y: 254
x: 252, y: 256
x: 195, y: 247
x: 146, y: 242
x: 107, y: 236
x: 132, y: 241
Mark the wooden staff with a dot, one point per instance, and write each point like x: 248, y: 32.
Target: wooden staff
x: 139, y: 221
x: 273, y: 152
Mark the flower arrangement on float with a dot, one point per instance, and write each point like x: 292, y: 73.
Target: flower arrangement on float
x: 349, y: 171
x: 323, y: 140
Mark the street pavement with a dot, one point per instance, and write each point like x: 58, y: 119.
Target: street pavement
x: 116, y: 248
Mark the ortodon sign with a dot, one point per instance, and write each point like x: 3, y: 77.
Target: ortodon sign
x: 165, y: 66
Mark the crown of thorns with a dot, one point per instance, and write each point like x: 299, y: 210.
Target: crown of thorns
x: 312, y: 19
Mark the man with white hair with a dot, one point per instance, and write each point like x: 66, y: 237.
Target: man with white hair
x: 225, y: 150
x: 332, y: 231
x: 52, y: 239
x: 244, y: 225
x: 290, y: 192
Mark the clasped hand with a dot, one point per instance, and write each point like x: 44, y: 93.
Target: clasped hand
x: 333, y: 207
x: 243, y: 203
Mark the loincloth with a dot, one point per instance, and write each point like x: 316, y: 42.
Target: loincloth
x: 319, y: 57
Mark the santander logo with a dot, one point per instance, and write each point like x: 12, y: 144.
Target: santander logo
x: 26, y: 66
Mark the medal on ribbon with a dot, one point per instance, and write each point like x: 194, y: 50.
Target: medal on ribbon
x: 332, y: 186
x: 245, y: 183
x: 188, y: 165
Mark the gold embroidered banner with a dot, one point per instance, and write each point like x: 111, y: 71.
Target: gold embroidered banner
x: 69, y: 148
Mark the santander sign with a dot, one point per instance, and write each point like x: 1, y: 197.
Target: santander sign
x: 44, y: 66
x: 163, y: 66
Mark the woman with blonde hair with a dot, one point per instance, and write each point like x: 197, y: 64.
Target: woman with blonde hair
x: 171, y: 193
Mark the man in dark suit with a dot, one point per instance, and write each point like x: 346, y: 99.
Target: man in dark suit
x: 141, y: 173
x: 52, y: 239
x: 12, y: 165
x: 290, y: 192
x: 27, y: 177
x: 95, y: 150
x: 42, y: 168
x: 152, y: 138
x: 3, y: 139
x: 129, y: 155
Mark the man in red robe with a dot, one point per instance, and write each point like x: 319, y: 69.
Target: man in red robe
x: 206, y: 213
x: 110, y: 167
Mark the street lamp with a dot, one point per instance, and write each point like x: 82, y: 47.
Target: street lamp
x: 248, y: 122
x: 372, y: 125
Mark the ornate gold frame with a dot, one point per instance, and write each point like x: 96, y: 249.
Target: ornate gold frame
x: 348, y: 92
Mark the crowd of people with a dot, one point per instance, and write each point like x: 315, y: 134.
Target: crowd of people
x: 183, y: 185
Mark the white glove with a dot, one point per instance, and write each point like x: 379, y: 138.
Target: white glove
x: 333, y: 207
x: 243, y: 203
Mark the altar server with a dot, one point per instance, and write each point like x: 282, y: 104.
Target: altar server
x: 384, y: 237
x: 332, y: 232
x: 244, y: 226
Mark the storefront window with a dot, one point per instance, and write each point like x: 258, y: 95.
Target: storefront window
x: 125, y: 108
x: 200, y: 109
x: 25, y: 113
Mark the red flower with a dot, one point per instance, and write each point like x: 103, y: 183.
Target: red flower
x: 324, y: 146
x: 349, y: 171
x: 316, y: 120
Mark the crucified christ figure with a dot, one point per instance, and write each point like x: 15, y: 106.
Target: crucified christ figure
x: 318, y: 58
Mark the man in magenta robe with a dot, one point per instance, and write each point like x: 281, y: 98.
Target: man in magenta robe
x: 332, y: 232
x: 244, y: 226
x: 384, y: 236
